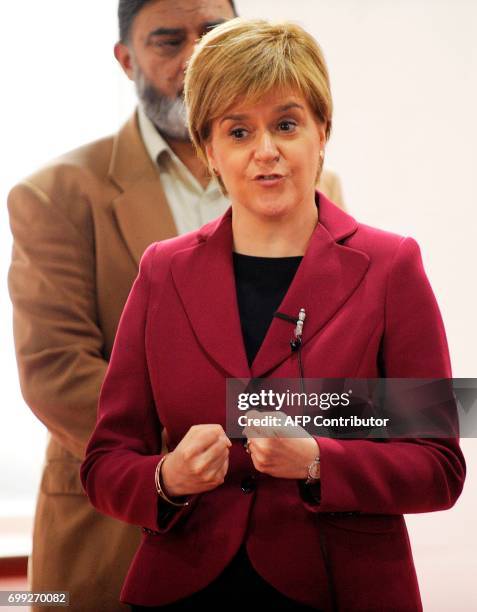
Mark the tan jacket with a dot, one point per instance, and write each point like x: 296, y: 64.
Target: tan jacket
x: 80, y: 226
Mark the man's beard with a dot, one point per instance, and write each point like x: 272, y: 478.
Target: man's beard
x: 167, y: 114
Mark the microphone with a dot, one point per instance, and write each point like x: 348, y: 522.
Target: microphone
x: 295, y: 342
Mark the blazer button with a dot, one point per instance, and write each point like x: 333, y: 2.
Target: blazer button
x: 248, y: 484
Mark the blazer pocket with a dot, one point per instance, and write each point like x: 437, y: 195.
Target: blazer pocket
x: 364, y: 523
x: 61, y: 478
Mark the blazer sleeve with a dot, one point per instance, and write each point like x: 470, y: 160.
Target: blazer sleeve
x: 402, y: 475
x: 125, y: 448
x: 58, y: 340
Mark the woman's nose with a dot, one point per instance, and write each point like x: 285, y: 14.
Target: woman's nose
x: 266, y: 148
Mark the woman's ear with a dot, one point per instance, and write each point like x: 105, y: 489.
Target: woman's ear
x: 214, y: 171
x: 322, y: 134
x: 209, y: 151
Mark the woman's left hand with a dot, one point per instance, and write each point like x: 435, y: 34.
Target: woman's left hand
x: 279, y: 452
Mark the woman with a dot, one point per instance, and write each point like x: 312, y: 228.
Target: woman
x: 296, y: 523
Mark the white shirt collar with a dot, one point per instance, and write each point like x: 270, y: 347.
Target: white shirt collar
x: 190, y: 204
x: 156, y: 145
x: 153, y: 141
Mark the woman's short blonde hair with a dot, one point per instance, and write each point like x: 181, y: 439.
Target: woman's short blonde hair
x: 245, y: 59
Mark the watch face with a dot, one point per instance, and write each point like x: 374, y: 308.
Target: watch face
x: 315, y: 470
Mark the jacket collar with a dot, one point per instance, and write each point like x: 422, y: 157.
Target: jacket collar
x: 204, y: 277
x: 141, y: 209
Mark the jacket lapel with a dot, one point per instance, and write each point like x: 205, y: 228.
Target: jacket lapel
x: 328, y: 275
x: 141, y: 209
x: 204, y: 278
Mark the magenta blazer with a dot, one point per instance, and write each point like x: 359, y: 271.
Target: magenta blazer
x: 370, y: 313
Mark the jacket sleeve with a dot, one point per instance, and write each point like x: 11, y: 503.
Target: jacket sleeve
x: 125, y: 448
x: 401, y: 475
x: 57, y: 337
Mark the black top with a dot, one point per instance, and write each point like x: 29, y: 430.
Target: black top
x: 261, y: 283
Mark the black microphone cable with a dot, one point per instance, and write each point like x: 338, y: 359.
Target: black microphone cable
x: 296, y: 341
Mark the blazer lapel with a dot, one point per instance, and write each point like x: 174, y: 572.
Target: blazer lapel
x: 204, y: 279
x: 328, y: 275
x: 141, y: 209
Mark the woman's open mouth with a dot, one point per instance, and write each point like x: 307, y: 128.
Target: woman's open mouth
x: 269, y: 180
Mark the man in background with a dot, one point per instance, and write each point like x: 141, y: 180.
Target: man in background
x: 80, y: 226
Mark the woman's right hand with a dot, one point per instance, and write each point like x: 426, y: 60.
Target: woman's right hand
x: 198, y: 463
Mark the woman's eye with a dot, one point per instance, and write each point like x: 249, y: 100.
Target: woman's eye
x: 238, y: 133
x: 287, y: 126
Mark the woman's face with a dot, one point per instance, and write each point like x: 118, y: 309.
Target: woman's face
x: 268, y: 154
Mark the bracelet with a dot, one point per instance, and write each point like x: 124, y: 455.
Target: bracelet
x: 160, y: 487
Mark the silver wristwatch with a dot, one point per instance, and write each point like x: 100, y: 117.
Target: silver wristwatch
x: 313, y: 471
